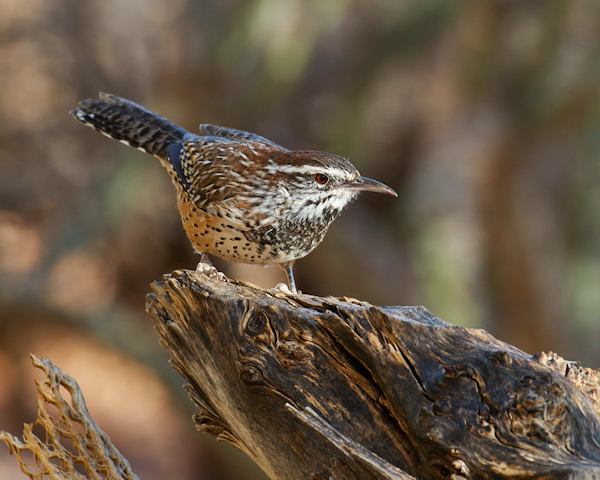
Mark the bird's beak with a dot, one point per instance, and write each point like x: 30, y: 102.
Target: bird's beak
x: 364, y: 184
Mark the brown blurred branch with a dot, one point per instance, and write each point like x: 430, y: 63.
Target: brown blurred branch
x: 314, y: 387
x: 74, y: 446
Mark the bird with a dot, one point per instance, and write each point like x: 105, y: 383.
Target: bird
x: 241, y: 196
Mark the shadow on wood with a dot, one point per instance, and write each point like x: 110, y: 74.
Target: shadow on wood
x: 322, y: 388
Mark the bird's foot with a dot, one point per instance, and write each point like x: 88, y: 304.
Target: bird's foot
x: 205, y: 267
x: 284, y: 288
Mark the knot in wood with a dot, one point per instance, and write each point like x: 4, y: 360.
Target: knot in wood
x: 257, y: 328
x: 266, y: 330
x: 250, y: 374
x: 256, y: 324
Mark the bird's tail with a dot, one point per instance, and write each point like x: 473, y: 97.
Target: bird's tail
x: 129, y: 123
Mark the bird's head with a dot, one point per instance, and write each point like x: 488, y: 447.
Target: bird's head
x: 319, y: 184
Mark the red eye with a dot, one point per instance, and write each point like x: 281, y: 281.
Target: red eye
x: 321, y: 178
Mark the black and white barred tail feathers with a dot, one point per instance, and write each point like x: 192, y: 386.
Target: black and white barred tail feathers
x: 145, y: 130
x: 129, y: 123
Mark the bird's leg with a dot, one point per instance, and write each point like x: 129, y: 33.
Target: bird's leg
x: 204, y: 262
x: 205, y: 265
x: 289, y: 274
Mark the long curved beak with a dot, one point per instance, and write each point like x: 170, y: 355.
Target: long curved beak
x: 364, y: 184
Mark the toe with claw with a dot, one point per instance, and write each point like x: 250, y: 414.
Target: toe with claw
x: 205, y: 267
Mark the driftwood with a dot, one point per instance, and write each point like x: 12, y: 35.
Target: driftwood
x: 64, y: 442
x: 324, y: 388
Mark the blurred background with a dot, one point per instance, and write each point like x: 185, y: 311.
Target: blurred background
x: 484, y: 116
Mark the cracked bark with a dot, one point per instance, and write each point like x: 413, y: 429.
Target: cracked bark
x: 314, y: 387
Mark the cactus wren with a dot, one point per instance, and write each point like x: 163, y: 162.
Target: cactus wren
x: 241, y: 197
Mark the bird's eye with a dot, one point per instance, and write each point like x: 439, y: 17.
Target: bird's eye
x: 321, y: 178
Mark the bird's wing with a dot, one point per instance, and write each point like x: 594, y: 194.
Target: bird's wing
x: 213, y: 169
x: 231, y: 133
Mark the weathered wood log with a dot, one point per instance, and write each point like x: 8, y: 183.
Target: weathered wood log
x: 314, y: 387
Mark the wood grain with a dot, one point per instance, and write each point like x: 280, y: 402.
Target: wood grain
x: 314, y: 387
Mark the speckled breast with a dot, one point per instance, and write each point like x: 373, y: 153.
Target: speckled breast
x: 240, y: 241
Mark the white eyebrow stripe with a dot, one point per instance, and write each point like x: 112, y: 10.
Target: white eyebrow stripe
x: 306, y: 169
x: 272, y: 168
